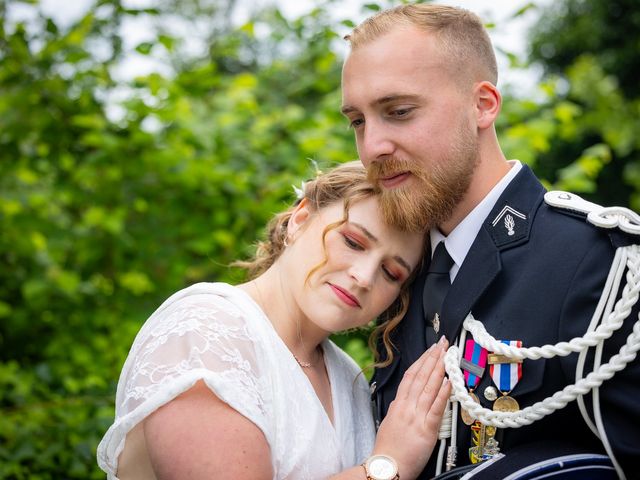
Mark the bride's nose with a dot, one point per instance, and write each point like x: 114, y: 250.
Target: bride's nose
x: 363, y: 272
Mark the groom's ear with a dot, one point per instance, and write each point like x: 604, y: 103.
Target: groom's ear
x: 299, y: 217
x: 487, y: 102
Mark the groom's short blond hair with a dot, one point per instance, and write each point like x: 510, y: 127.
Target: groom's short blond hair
x: 461, y: 35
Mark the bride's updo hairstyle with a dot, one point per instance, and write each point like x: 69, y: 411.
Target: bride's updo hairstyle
x: 346, y: 183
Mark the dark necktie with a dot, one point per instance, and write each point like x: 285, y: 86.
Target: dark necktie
x: 436, y: 286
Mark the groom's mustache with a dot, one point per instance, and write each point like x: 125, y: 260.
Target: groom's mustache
x: 387, y: 168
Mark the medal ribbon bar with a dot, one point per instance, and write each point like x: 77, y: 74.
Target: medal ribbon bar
x: 473, y: 363
x: 507, y: 375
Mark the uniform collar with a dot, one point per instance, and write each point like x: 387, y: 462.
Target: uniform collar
x: 459, y: 241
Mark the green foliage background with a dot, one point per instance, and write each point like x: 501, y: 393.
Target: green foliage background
x: 115, y: 192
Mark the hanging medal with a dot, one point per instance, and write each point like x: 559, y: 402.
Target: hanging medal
x: 473, y: 364
x: 484, y: 446
x: 477, y: 442
x: 506, y: 373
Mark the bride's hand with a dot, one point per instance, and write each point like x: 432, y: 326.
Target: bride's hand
x: 409, y: 432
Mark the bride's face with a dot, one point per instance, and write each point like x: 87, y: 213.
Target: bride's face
x: 366, y: 264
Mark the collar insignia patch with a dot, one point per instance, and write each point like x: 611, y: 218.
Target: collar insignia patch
x: 508, y: 225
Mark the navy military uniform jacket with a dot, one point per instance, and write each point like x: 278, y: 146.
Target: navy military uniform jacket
x: 540, y: 284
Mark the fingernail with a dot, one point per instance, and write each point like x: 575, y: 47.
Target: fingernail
x: 442, y: 341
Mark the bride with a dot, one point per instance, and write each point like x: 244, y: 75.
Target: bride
x: 242, y: 382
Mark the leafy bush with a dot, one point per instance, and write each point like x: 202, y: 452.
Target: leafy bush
x: 115, y: 193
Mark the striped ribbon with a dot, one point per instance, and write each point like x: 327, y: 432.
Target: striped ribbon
x: 506, y: 375
x: 476, y: 356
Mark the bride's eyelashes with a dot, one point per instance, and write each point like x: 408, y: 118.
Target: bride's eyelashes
x: 356, y: 245
x: 352, y: 243
x: 390, y: 275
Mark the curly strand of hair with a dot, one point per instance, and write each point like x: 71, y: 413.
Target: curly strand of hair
x: 392, y: 318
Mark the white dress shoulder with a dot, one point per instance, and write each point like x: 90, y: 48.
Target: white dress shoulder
x: 215, y: 332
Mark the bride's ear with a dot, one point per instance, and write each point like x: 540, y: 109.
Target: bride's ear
x: 299, y: 217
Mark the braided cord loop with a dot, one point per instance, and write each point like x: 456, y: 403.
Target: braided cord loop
x: 560, y: 399
x: 604, y: 331
x: 616, y: 217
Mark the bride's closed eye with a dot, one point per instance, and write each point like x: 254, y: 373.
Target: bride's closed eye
x: 390, y: 275
x: 351, y: 242
x: 356, y: 245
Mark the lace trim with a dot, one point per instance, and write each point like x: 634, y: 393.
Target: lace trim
x: 196, y: 338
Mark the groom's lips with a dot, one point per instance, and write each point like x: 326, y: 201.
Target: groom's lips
x: 394, y: 180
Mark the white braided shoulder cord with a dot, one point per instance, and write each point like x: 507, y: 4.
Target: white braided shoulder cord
x: 616, y: 217
x: 604, y: 217
x: 609, y: 218
x: 560, y: 399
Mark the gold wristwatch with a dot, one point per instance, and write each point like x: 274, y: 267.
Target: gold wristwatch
x: 381, y: 467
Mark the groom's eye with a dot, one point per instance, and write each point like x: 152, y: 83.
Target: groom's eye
x: 401, y: 112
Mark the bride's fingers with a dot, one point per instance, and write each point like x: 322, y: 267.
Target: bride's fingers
x: 411, y: 373
x: 419, y: 377
x: 434, y: 416
x: 432, y: 386
x: 424, y: 374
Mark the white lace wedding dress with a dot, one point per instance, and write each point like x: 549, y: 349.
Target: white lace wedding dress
x: 215, y: 332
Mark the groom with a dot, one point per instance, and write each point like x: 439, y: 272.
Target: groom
x: 419, y: 89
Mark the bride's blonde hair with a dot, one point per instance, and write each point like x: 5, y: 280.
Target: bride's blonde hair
x: 347, y: 183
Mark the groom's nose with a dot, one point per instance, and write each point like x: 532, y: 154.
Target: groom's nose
x: 374, y: 144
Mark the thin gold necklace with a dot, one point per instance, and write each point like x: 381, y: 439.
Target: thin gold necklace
x: 301, y: 363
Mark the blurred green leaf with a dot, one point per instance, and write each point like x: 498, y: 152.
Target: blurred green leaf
x: 374, y: 7
x: 144, y: 48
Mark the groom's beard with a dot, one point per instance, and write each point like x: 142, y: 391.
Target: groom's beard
x: 430, y: 197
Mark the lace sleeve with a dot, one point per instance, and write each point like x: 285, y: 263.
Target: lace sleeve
x: 198, y: 337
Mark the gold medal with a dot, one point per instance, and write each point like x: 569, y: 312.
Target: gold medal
x: 506, y: 404
x: 466, y: 416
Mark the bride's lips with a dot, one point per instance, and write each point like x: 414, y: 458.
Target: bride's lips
x: 393, y: 180
x: 345, y: 296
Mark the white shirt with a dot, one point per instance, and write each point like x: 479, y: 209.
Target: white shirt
x: 459, y: 241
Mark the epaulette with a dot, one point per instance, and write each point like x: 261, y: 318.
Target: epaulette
x: 620, y: 218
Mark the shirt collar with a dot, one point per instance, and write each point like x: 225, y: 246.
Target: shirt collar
x: 459, y: 241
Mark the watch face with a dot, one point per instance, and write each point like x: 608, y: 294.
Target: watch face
x: 382, y: 468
